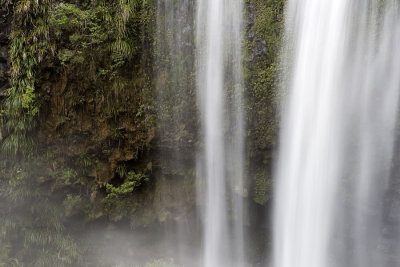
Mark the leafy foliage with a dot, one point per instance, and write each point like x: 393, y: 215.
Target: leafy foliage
x: 27, y: 48
x: 132, y: 181
x: 78, y: 40
x: 32, y: 229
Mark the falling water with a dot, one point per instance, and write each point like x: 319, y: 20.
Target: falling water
x: 219, y: 30
x: 174, y: 55
x: 335, y: 204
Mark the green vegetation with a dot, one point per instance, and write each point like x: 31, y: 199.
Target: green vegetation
x: 78, y: 127
x: 262, y: 45
x: 262, y: 187
x: 74, y: 42
x: 32, y: 228
x: 131, y: 182
x: 27, y: 49
x: 262, y: 73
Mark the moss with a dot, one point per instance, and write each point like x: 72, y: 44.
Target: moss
x: 262, y: 47
x: 262, y: 74
x: 262, y: 187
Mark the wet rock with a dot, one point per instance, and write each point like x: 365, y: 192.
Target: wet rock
x: 3, y: 68
x: 260, y: 47
x: 3, y: 54
x: 5, y: 29
x: 251, y: 35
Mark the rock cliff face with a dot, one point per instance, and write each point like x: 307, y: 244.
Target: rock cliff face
x: 105, y: 149
x: 5, y: 29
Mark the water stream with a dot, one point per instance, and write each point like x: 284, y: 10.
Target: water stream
x: 219, y: 79
x: 335, y: 203
x: 174, y: 53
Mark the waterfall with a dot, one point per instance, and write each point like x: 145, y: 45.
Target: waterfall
x: 220, y: 171
x: 335, y: 204
x: 174, y: 55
